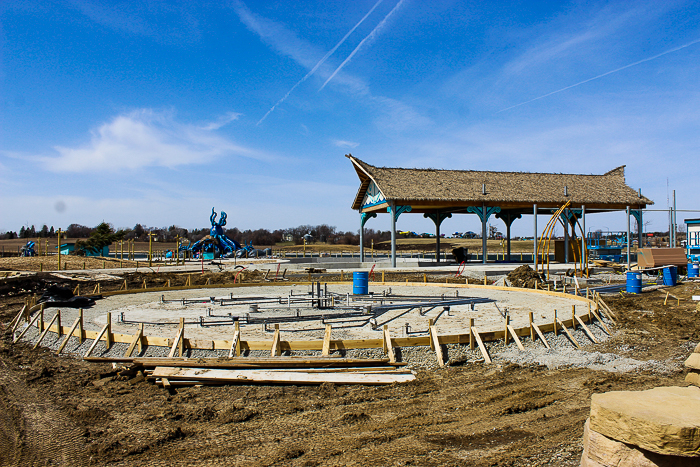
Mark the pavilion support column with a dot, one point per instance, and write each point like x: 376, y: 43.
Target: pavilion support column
x: 583, y: 237
x: 362, y: 240
x: 508, y: 219
x: 627, y: 212
x: 395, y: 212
x: 534, y: 241
x: 364, y: 217
x: 566, y: 236
x: 484, y: 246
x: 392, y: 208
x: 484, y: 213
x: 437, y: 217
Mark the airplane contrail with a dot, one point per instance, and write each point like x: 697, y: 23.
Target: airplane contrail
x: 369, y: 36
x: 320, y: 62
x: 604, y: 74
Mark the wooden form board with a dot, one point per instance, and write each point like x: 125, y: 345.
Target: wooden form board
x: 266, y: 376
x: 344, y: 344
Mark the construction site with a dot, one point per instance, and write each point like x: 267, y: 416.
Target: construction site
x: 541, y: 358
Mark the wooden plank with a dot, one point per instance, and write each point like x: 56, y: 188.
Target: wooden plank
x: 68, y: 336
x: 389, y: 345
x: 609, y: 313
x: 327, y: 341
x: 181, y: 344
x: 247, y: 362
x: 515, y: 337
x: 48, y: 328
x: 586, y: 330
x: 137, y: 339
x: 482, y: 347
x: 539, y: 333
x: 289, y: 377
x: 176, y: 342
x: 97, y: 339
x: 235, y: 348
x: 571, y: 336
x: 24, y: 331
x: 436, y: 345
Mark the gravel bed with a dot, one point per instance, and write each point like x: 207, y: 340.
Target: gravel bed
x: 562, y: 354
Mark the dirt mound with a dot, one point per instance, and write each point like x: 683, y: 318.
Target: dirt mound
x: 524, y: 276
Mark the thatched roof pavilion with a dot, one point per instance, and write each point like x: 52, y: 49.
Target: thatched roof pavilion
x: 440, y: 193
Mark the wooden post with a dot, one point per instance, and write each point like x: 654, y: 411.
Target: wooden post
x: 108, y: 336
x: 532, y: 330
x: 541, y: 336
x: 590, y: 318
x: 510, y: 329
x: 571, y: 336
x: 97, y: 339
x: 573, y: 317
x: 81, y: 331
x: 58, y: 324
x: 181, y: 345
x: 556, y: 318
x: 472, y: 342
x: 586, y: 330
x: 505, y: 328
x: 382, y: 277
x: 327, y: 341
x: 425, y: 278
x: 276, y: 351
x: 485, y: 283
x: 177, y: 340
x: 235, y: 348
x: 41, y: 318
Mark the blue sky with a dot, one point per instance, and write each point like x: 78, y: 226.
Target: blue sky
x: 154, y: 112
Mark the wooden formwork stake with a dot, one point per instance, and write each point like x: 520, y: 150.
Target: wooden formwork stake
x: 235, y: 348
x: 472, y: 341
x: 573, y: 317
x: 108, y: 334
x: 571, y: 336
x: 532, y: 330
x: 68, y: 336
x: 389, y: 345
x: 327, y: 341
x: 425, y: 278
x: 76, y: 290
x: 136, y: 340
x: 178, y: 339
x: 31, y: 323
x: 539, y: 333
x: 168, y: 283
x: 590, y: 317
x: 435, y: 344
x: 510, y: 329
x: 58, y: 324
x: 600, y: 320
x: 48, y: 328
x: 18, y: 319
x: 556, y: 318
x: 586, y: 330
x: 276, y: 350
x: 485, y: 283
x: 97, y: 339
x: 484, y: 352
x: 145, y: 286
x: 382, y: 277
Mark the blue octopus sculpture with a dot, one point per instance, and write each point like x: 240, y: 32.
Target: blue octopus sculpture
x: 216, y: 242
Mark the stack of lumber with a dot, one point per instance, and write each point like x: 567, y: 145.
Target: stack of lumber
x: 655, y: 257
x: 693, y: 364
x: 274, y: 370
x: 658, y: 427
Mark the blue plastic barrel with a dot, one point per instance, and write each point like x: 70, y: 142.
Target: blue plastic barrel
x: 360, y: 283
x: 634, y: 282
x: 670, y: 275
x: 693, y: 270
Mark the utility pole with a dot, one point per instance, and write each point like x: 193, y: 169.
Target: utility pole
x: 150, y: 249
x: 59, y: 248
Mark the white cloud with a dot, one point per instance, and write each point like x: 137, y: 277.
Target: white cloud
x: 345, y: 144
x: 145, y: 138
x: 224, y: 120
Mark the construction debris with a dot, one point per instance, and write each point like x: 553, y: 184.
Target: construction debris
x: 524, y: 276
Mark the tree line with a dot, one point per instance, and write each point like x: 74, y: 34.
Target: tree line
x: 259, y: 237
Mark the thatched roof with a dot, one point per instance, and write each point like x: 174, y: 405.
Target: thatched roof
x: 427, y: 189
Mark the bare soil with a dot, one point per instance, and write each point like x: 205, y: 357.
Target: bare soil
x: 61, y: 411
